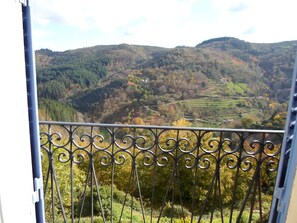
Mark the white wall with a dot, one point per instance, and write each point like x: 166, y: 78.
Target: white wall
x: 16, y: 184
x: 292, y: 212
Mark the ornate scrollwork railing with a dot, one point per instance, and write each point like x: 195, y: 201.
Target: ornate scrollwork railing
x: 119, y: 173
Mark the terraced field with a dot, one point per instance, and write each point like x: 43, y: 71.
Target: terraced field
x: 218, y: 110
x: 212, y: 102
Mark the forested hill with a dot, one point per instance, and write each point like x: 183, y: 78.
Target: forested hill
x: 220, y: 82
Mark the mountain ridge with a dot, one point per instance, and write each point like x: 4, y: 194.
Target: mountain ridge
x: 117, y: 83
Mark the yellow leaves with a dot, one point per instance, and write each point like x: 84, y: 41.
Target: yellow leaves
x: 272, y: 106
x: 276, y: 118
x: 182, y: 123
x: 138, y: 121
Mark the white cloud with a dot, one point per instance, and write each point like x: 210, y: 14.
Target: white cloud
x: 165, y: 23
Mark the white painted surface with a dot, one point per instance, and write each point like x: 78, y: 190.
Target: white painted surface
x: 16, y: 184
x: 292, y: 212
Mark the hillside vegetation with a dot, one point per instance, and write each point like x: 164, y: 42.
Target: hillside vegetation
x: 222, y: 82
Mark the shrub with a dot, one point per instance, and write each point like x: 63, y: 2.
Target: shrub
x: 86, y: 201
x: 175, y: 211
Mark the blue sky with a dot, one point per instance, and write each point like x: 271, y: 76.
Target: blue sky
x: 70, y: 24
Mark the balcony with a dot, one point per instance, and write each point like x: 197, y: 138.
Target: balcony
x: 129, y: 173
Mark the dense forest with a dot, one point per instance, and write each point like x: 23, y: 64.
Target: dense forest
x: 222, y: 82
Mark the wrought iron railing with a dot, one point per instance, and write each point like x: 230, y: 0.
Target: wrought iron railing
x: 126, y: 173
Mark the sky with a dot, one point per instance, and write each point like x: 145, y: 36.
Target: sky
x: 61, y: 25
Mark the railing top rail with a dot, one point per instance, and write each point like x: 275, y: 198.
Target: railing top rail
x: 161, y: 127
